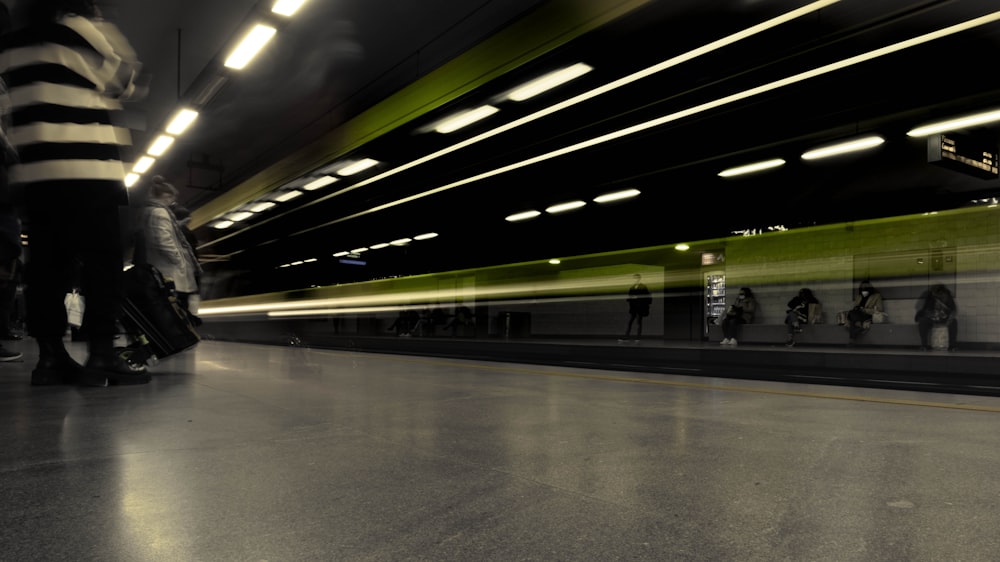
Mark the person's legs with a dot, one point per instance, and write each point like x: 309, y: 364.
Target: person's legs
x: 924, y: 326
x: 48, y: 275
x: 638, y: 327
x: 628, y: 328
x: 102, y: 282
x: 952, y: 334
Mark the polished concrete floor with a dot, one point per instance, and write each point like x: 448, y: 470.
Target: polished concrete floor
x: 263, y: 453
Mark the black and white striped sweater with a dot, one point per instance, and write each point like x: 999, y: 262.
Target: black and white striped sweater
x: 66, y: 82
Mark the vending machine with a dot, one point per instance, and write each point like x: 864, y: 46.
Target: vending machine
x: 715, y: 298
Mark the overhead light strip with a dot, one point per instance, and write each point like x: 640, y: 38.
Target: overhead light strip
x: 249, y: 46
x: 802, y: 76
x: 609, y: 87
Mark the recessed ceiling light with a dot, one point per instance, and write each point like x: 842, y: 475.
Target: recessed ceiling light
x: 682, y: 247
x: 160, y: 145
x: 222, y: 225
x: 958, y: 123
x: 549, y: 81
x: 465, y: 118
x: 143, y: 165
x: 522, y: 216
x: 250, y: 45
x: 843, y: 148
x: 555, y: 261
x: 616, y: 196
x: 563, y: 207
x: 181, y: 121
x: 356, y: 167
x: 262, y: 206
x: 755, y: 167
x: 240, y: 216
x: 319, y: 182
x: 287, y: 7
x: 286, y: 196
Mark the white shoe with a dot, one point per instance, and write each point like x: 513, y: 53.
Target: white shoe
x: 733, y: 342
x: 725, y: 341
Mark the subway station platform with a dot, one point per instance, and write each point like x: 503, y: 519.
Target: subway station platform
x: 242, y: 451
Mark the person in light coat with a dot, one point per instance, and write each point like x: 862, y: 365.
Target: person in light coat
x: 164, y: 244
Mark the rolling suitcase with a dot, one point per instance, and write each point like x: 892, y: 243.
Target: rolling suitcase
x: 153, y: 318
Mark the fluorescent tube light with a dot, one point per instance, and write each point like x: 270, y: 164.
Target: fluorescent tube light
x: 318, y: 183
x: 549, y: 81
x: 750, y: 168
x: 340, y: 254
x: 555, y: 261
x: 522, y: 216
x: 426, y: 236
x: 286, y: 196
x: 311, y: 260
x: 616, y: 196
x: 250, y: 45
x: 959, y: 123
x: 143, y: 165
x: 568, y: 206
x: 181, y: 121
x: 401, y: 242
x: 379, y: 246
x: 465, y: 119
x: 287, y: 7
x: 359, y: 250
x: 131, y: 178
x: 682, y: 247
x: 843, y: 148
x: 262, y: 206
x: 240, y: 216
x: 356, y: 167
x: 222, y: 225
x: 160, y: 145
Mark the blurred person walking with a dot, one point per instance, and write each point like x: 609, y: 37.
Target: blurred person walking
x: 10, y: 224
x: 68, y: 71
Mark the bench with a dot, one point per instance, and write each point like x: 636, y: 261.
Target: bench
x: 888, y: 335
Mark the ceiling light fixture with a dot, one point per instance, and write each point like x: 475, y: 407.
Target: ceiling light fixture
x: 522, y: 216
x: 131, y: 178
x: 682, y: 247
x: 426, y: 236
x: 250, y: 45
x: 160, y: 145
x: 609, y: 87
x: 262, y: 206
x: 843, y: 148
x: 357, y: 167
x: 401, y: 242
x: 240, y: 216
x: 958, y: 123
x: 563, y: 207
x: 181, y: 121
x: 285, y: 196
x: 750, y: 168
x: 379, y: 246
x: 222, y: 225
x: 464, y: 119
x: 359, y: 250
x: 287, y: 7
x: 549, y: 81
x: 319, y: 183
x: 341, y: 254
x: 617, y: 196
x: 143, y: 165
x: 628, y: 131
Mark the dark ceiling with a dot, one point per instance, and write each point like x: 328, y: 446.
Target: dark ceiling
x: 335, y: 61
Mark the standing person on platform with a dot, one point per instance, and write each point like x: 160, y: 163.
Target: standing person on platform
x: 166, y: 247
x: 639, y: 302
x: 67, y: 71
x: 10, y: 224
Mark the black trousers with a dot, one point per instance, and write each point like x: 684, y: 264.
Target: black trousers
x: 74, y: 240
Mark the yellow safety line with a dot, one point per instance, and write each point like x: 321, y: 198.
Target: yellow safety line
x: 703, y: 386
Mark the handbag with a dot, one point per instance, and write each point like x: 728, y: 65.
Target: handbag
x: 74, y: 308
x: 879, y: 317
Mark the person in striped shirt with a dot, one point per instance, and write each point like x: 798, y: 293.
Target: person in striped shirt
x: 67, y: 72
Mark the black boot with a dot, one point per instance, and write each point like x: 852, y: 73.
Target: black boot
x: 55, y: 366
x: 104, y: 362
